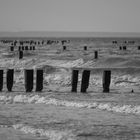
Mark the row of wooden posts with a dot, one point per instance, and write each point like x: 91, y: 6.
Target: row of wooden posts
x: 29, y: 80
x: 22, y: 48
x: 85, y: 48
x: 125, y: 47
x: 85, y: 80
x: 21, y: 53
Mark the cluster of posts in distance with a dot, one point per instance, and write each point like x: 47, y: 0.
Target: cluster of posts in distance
x: 124, y: 44
x: 22, y: 47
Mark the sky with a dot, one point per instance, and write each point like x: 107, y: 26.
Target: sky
x: 70, y: 15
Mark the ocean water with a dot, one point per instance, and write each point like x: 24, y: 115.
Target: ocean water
x: 56, y: 113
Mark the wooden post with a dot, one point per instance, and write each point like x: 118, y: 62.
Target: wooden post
x: 20, y: 54
x: 114, y: 42
x: 19, y: 48
x: 74, y: 80
x: 29, y: 77
x: 1, y: 80
x: 10, y: 79
x: 85, y: 80
x: 138, y: 47
x: 85, y: 48
x: 96, y: 54
x: 26, y: 47
x: 120, y: 48
x: 30, y: 47
x: 124, y: 47
x: 106, y: 80
x: 39, y: 80
x: 11, y: 48
x: 33, y: 47
x: 23, y: 48
x: 64, y: 48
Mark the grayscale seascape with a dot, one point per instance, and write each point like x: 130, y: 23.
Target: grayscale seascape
x: 58, y: 113
x: 69, y: 70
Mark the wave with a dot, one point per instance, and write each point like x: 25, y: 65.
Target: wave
x: 60, y: 71
x: 36, y: 99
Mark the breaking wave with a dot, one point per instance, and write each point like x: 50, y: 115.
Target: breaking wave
x: 36, y: 99
x: 38, y: 132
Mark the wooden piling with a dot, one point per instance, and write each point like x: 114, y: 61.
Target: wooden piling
x: 23, y: 48
x: 96, y: 54
x: 33, y: 47
x: 19, y: 48
x: 20, y: 54
x: 1, y: 80
x: 106, y: 80
x: 10, y: 79
x: 124, y: 47
x: 39, y: 79
x: 29, y: 77
x: 11, y: 48
x: 85, y: 80
x: 30, y: 47
x: 85, y: 48
x: 74, y: 80
x: 64, y: 48
x: 26, y: 47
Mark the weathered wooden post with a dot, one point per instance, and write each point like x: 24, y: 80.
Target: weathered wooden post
x: 96, y: 54
x: 19, y: 48
x: 11, y: 48
x: 1, y: 80
x: 20, y: 54
x: 23, y: 48
x: 33, y: 47
x: 138, y: 47
x: 10, y: 79
x: 74, y: 80
x: 30, y: 47
x: 85, y: 80
x: 39, y: 79
x: 106, y: 80
x: 120, y: 48
x: 26, y: 47
x: 114, y: 42
x: 85, y: 48
x: 29, y: 77
x: 64, y: 48
x: 124, y: 47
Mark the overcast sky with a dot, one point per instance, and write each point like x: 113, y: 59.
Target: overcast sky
x: 70, y: 15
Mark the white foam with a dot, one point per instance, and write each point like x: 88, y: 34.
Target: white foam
x: 50, y: 134
x: 128, y: 109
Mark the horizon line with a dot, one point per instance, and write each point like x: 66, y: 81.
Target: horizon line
x: 31, y: 33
